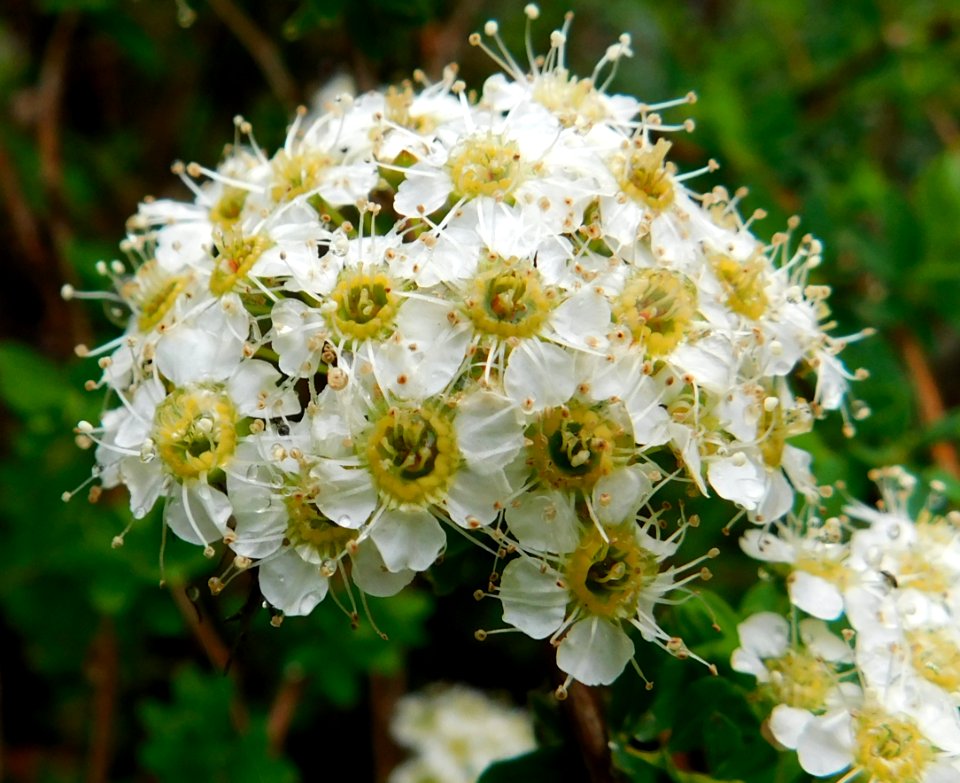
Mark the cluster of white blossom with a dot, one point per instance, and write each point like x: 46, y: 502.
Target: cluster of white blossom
x: 880, y: 699
x: 453, y: 733
x: 503, y: 314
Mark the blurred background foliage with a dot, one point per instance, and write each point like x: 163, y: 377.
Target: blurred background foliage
x: 846, y: 113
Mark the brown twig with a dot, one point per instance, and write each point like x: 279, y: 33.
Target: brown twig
x: 440, y: 42
x: 260, y: 48
x: 929, y: 399
x: 385, y: 691
x: 216, y: 650
x: 585, y: 712
x: 63, y: 327
x: 102, y: 673
x: 284, y: 707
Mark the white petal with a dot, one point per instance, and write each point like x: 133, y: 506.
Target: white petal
x: 787, y: 724
x: 545, y: 521
x: 767, y: 634
x: 489, y: 430
x: 618, y: 497
x: 737, y: 479
x: 532, y: 600
x: 815, y: 595
x: 539, y: 375
x: 825, y: 745
x: 408, y: 539
x: 594, y: 651
x: 373, y: 577
x: 291, y: 585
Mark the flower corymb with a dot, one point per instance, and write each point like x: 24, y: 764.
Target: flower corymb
x: 503, y: 314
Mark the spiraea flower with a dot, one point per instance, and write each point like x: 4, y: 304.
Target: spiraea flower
x: 888, y: 574
x: 506, y: 314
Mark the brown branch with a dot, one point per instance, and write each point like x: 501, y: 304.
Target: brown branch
x: 260, y: 48
x: 441, y: 42
x: 585, y: 712
x: 216, y: 650
x: 385, y: 691
x: 284, y: 707
x: 63, y: 327
x: 929, y: 399
x: 102, y: 672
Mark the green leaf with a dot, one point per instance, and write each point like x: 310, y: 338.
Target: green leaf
x: 556, y: 764
x: 30, y: 384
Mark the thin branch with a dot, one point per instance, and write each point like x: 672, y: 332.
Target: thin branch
x: 63, y: 327
x: 441, y: 42
x: 929, y: 399
x: 102, y: 673
x: 284, y: 707
x: 385, y: 691
x: 216, y: 650
x: 260, y: 48
x: 585, y: 712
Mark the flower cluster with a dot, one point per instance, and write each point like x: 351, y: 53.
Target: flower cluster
x: 886, y: 706
x: 454, y: 733
x: 507, y: 315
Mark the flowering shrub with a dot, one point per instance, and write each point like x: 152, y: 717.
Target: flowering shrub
x: 509, y: 317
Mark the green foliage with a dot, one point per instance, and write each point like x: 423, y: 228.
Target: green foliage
x: 193, y: 736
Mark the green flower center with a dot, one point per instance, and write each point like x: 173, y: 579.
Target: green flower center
x: 365, y: 305
x: 307, y: 526
x: 195, y: 431
x: 413, y: 455
x: 890, y: 750
x: 509, y: 300
x: 607, y: 577
x: 227, y: 210
x: 573, y: 446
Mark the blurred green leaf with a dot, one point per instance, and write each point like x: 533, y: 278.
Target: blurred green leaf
x: 192, y: 737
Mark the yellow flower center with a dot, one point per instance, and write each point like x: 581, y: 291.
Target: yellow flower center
x: 936, y: 658
x: 155, y: 293
x: 645, y: 175
x: 743, y: 282
x: 195, y: 431
x: 890, y: 750
x: 227, y: 210
x: 308, y: 526
x: 607, y: 577
x: 799, y: 679
x: 398, y: 101
x: 235, y: 257
x: 569, y: 98
x: 297, y: 174
x: 413, y: 455
x: 509, y: 300
x: 573, y: 446
x: 365, y: 305
x: 485, y: 165
x: 657, y: 306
